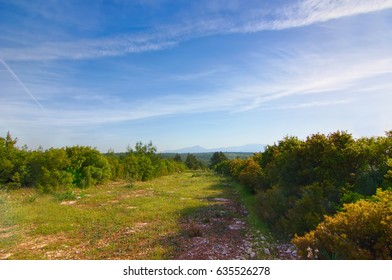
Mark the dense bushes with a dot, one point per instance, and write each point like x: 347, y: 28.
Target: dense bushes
x: 297, y: 182
x: 363, y: 230
x: 144, y: 164
x: 11, y: 161
x: 56, y: 170
x: 246, y: 171
x: 47, y: 170
x: 87, y: 166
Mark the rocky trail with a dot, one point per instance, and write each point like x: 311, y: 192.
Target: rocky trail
x: 221, y: 232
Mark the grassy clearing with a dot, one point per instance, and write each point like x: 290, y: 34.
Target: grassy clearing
x: 117, y: 220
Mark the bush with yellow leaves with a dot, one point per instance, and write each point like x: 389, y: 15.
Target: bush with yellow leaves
x: 363, y: 230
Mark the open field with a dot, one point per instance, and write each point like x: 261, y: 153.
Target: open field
x: 180, y: 216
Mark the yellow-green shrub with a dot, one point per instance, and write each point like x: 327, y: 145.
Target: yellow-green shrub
x: 363, y: 230
x: 250, y: 175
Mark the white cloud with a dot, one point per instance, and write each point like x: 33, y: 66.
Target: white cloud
x: 309, y: 12
x: 313, y: 89
x: 313, y: 104
x: 192, y: 76
x: 303, y: 73
x: 301, y: 13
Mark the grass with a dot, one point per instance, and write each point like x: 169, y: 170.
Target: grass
x: 259, y: 229
x: 117, y: 220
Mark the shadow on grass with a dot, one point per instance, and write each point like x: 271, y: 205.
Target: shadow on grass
x: 215, y: 231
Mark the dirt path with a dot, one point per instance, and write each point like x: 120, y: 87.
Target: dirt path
x: 216, y: 232
x: 221, y: 232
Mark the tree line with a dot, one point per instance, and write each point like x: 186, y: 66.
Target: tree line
x: 61, y: 169
x: 318, y: 187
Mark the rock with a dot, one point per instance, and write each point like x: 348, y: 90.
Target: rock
x: 235, y: 227
x: 220, y: 199
x: 68, y: 202
x: 252, y: 255
x: 267, y: 251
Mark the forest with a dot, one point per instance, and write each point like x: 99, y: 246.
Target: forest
x: 330, y: 195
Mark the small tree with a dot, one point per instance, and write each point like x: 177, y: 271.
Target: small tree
x: 177, y: 158
x: 217, y: 158
x: 192, y: 163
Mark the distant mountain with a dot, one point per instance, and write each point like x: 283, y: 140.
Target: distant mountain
x: 190, y: 150
x: 249, y: 148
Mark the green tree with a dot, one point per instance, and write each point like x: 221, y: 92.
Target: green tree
x: 192, y: 162
x: 12, y: 163
x: 177, y: 158
x: 87, y: 166
x: 217, y: 158
x: 8, y: 155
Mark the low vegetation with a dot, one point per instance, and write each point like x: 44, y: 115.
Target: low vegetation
x: 362, y: 230
x: 62, y: 169
x: 115, y: 220
x: 312, y: 184
x: 329, y: 194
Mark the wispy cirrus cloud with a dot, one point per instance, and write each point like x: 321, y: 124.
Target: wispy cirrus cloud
x: 314, y: 104
x: 307, y: 12
x: 317, y: 86
x: 292, y: 15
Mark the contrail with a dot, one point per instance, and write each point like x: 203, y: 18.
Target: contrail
x: 22, y: 85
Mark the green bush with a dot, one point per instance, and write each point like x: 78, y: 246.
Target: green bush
x: 250, y: 175
x: 223, y: 168
x: 87, y: 166
x: 299, y: 181
x: 58, y: 170
x: 363, y: 230
x: 217, y: 158
x: 144, y: 164
x: 272, y: 206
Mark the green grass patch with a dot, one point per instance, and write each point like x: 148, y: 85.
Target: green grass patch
x: 117, y: 220
x: 257, y: 226
x: 68, y: 195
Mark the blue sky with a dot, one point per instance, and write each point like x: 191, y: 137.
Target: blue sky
x: 213, y: 73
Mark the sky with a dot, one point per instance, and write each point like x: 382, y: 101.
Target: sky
x: 213, y: 73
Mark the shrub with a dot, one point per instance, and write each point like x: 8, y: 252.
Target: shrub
x: 223, y: 167
x: 87, y: 166
x: 271, y: 207
x: 250, y: 175
x: 362, y: 231
x: 217, y: 158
